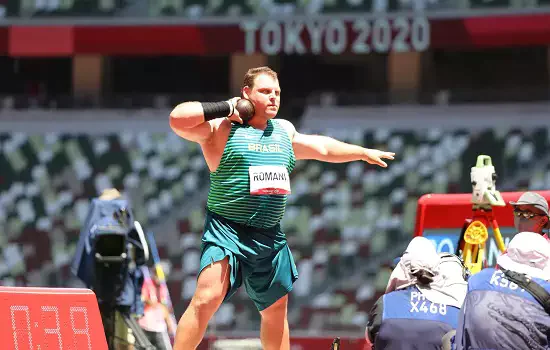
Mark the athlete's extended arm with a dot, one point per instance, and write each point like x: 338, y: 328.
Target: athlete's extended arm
x: 330, y: 150
x: 195, y: 121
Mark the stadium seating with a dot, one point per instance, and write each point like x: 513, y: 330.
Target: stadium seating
x: 342, y: 221
x: 200, y: 8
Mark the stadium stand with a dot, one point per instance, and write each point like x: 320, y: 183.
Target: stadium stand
x: 342, y: 222
x: 198, y: 8
x: 66, y: 135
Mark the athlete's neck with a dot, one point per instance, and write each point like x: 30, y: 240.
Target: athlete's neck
x: 258, y: 123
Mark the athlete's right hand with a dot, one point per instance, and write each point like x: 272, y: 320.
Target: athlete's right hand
x: 235, y: 116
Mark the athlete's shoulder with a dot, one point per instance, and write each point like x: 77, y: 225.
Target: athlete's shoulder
x: 284, y: 123
x: 288, y: 126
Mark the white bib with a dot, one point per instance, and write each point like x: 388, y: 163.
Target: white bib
x: 269, y: 179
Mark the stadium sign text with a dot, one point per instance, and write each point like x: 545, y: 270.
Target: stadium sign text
x: 336, y: 36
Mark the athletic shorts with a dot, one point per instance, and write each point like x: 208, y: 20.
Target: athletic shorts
x: 258, y: 257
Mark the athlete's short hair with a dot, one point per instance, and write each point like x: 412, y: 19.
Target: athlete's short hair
x: 252, y: 73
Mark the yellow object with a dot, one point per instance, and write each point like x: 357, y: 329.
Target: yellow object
x: 475, y: 238
x: 160, y: 272
x: 474, y: 247
x: 498, y: 238
x: 476, y: 233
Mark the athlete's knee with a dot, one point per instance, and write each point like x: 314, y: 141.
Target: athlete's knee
x: 212, y: 286
x: 276, y: 311
x: 207, y: 299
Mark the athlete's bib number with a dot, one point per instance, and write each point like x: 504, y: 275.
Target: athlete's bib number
x: 269, y: 179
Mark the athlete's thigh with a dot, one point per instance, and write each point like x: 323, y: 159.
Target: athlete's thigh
x: 214, y: 279
x: 219, y: 271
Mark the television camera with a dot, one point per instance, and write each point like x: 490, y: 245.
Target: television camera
x: 111, y: 250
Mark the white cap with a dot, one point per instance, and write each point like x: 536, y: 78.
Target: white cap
x: 419, y: 255
x: 527, y: 253
x: 449, y: 286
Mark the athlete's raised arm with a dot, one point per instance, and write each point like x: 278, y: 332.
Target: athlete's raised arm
x: 197, y: 121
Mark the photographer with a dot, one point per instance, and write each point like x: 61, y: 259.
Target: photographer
x: 497, y: 312
x: 155, y: 321
x: 424, y: 287
x: 531, y: 213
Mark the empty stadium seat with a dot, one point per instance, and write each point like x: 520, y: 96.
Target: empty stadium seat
x: 341, y: 220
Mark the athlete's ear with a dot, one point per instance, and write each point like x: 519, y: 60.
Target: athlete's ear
x: 245, y: 92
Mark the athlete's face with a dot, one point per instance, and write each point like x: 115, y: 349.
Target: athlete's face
x: 265, y: 95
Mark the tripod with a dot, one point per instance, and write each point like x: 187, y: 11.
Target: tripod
x: 475, y: 235
x: 118, y: 324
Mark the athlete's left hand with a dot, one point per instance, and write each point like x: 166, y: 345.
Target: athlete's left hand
x: 374, y: 156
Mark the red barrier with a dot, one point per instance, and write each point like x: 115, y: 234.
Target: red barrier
x: 448, y: 211
x: 50, y: 318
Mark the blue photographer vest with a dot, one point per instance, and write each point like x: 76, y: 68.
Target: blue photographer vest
x: 410, y: 321
x: 497, y: 314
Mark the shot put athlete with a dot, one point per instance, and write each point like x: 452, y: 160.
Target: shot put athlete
x: 249, y: 167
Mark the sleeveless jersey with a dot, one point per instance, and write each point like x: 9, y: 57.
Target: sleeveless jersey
x: 230, y: 195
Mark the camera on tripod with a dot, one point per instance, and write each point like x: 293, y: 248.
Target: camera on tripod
x: 483, y: 178
x: 111, y: 250
x: 473, y: 237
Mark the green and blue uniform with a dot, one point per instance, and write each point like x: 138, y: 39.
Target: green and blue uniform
x: 244, y: 227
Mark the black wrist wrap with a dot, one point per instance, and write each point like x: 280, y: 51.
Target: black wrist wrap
x: 213, y: 110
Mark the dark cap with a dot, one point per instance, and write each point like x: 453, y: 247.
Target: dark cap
x: 534, y: 199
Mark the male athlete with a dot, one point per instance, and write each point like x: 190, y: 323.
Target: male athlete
x: 249, y: 173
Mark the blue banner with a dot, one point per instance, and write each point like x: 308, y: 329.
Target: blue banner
x: 446, y: 241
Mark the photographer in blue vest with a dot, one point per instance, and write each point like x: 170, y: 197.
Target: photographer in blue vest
x: 422, y: 301
x: 505, y: 307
